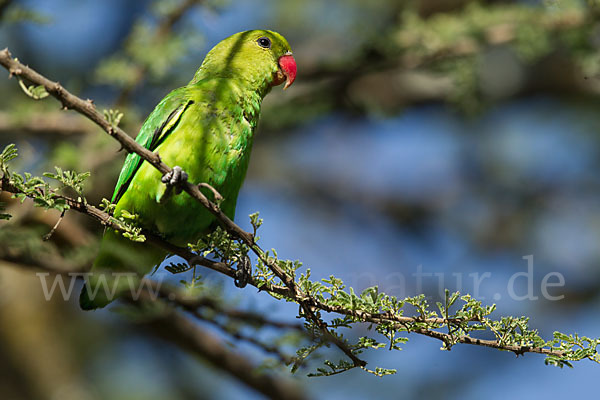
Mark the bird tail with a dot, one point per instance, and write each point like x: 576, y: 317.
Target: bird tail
x: 117, y: 269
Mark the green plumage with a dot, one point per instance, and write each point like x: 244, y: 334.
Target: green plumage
x: 207, y: 129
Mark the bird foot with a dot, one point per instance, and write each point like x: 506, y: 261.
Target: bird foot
x: 175, y: 177
x: 244, y: 272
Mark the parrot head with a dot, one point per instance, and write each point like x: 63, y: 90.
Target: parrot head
x: 262, y: 58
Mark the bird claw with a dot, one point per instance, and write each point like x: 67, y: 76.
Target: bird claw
x: 175, y: 177
x: 244, y: 272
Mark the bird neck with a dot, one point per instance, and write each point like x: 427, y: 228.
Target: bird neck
x: 251, y: 100
x: 230, y: 93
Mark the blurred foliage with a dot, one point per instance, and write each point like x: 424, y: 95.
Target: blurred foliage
x: 437, y: 51
x: 16, y: 13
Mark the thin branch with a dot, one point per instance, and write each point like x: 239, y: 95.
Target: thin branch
x: 194, y: 303
x: 55, y: 227
x: 174, y: 327
x: 290, y: 290
x: 237, y: 335
x: 283, y: 358
x: 196, y: 306
x: 495, y: 344
x: 312, y: 303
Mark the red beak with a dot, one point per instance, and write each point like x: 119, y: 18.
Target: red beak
x: 287, y: 64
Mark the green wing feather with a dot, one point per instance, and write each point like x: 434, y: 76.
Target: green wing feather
x: 159, y: 124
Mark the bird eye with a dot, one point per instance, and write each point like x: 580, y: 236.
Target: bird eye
x: 264, y: 42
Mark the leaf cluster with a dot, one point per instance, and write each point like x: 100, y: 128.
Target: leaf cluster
x: 458, y: 319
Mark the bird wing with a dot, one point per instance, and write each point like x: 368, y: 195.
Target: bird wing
x: 159, y: 124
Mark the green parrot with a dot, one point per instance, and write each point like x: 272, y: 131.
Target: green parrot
x: 205, y: 130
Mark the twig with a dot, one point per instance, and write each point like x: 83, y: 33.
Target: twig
x: 172, y: 296
x: 290, y: 290
x: 55, y: 227
x: 190, y: 304
x: 193, y: 303
x: 518, y: 350
x: 175, y: 327
x: 284, y: 358
x: 216, y: 195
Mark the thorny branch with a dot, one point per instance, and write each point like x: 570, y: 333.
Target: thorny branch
x: 173, y: 326
x: 308, y: 304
